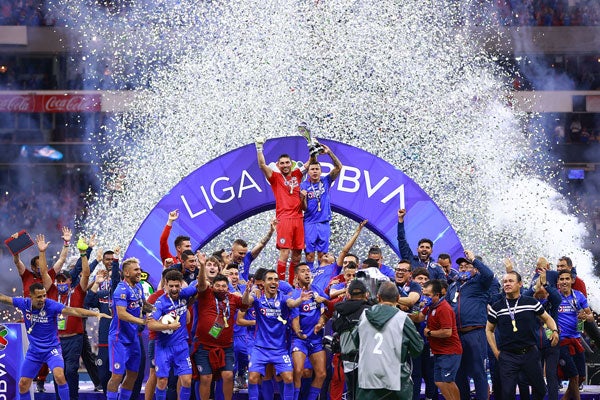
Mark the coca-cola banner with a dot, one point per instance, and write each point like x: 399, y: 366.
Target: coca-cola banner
x: 231, y: 188
x: 50, y: 103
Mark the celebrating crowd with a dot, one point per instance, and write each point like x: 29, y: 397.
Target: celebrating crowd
x: 320, y: 328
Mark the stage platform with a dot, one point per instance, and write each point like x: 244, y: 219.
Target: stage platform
x: 86, y: 392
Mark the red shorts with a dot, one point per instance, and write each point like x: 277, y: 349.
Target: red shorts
x: 290, y: 233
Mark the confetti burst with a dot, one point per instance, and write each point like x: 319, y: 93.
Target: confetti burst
x: 405, y: 80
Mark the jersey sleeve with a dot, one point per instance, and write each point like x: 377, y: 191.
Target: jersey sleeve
x: 157, y: 313
x: 54, y: 307
x: 188, y: 291
x: 19, y: 302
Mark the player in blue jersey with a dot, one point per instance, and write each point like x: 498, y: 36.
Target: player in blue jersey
x: 171, y: 342
x: 123, y: 346
x: 270, y: 346
x: 243, y: 258
x: 317, y: 215
x: 41, y: 322
x: 572, y: 313
x: 307, y: 337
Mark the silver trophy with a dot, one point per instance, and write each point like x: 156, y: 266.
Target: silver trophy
x: 314, y: 146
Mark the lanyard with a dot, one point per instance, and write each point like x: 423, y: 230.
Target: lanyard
x: 68, y: 304
x: 226, y: 312
x: 513, y: 313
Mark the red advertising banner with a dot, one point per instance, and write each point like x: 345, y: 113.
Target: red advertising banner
x: 50, y: 103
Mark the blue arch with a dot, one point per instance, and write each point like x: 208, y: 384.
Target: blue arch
x: 232, y: 188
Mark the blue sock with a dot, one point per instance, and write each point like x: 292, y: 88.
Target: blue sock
x: 196, y: 389
x: 288, y: 391
x: 280, y: 387
x: 160, y: 394
x: 314, y: 393
x: 296, y: 393
x: 25, y: 396
x: 184, y: 393
x: 219, y: 390
x: 63, y: 392
x: 267, y: 389
x: 112, y: 395
x: 253, y: 391
x: 124, y: 394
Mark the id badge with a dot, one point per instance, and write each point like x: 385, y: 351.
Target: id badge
x: 62, y: 323
x: 215, y: 331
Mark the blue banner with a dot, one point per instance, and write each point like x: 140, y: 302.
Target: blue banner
x: 231, y: 188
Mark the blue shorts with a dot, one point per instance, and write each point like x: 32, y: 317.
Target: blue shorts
x: 312, y: 344
x: 261, y: 357
x: 445, y: 367
x: 177, y: 357
x: 35, y: 358
x: 571, y: 365
x: 316, y: 236
x: 203, y: 364
x: 123, y: 356
x: 241, y: 344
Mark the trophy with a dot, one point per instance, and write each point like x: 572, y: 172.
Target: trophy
x: 314, y: 146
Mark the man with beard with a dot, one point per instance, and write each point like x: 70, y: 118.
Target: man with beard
x: 316, y: 197
x: 285, y: 185
x: 272, y: 310
x: 307, y: 338
x: 424, y: 250
x: 213, y: 341
x: 41, y: 322
x: 171, y: 347
x: 28, y: 278
x: 124, y: 348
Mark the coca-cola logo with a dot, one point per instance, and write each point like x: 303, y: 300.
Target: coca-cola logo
x: 71, y: 103
x: 16, y: 103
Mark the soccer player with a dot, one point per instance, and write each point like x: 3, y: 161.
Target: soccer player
x: 317, y: 205
x: 41, y: 321
x: 307, y: 338
x: 171, y: 347
x: 272, y: 309
x: 123, y: 346
x: 243, y: 257
x: 285, y: 185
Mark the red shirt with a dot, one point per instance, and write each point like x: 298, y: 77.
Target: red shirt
x: 74, y: 298
x: 287, y: 205
x: 151, y: 300
x: 579, y: 285
x: 208, y: 318
x: 28, y: 279
x: 442, y: 317
x: 164, y: 246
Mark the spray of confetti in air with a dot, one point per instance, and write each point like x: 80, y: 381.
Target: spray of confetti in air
x: 405, y: 80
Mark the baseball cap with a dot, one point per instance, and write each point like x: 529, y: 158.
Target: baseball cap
x: 357, y: 288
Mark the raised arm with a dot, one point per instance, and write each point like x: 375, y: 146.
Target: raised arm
x: 248, y: 298
x: 348, y: 246
x: 405, y: 250
x: 85, y: 270
x: 262, y: 164
x: 164, y: 236
x: 337, y: 164
x: 202, y: 281
x: 19, y: 264
x: 62, y: 258
x: 42, y: 247
x: 304, y: 295
x: 263, y: 242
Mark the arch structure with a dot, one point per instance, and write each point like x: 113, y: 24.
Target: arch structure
x: 231, y: 188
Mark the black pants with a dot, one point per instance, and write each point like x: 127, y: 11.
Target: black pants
x: 510, y: 365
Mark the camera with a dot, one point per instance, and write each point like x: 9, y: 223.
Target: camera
x: 332, y: 343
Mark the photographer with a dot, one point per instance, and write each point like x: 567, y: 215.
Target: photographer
x: 346, y: 316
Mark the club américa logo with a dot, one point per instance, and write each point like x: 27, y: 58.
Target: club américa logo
x: 3, y: 339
